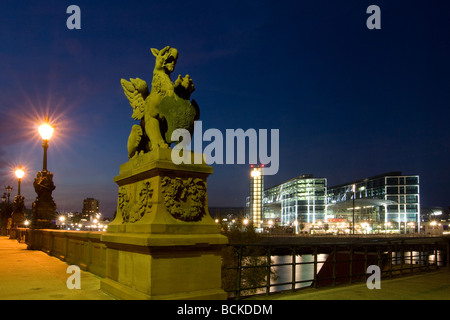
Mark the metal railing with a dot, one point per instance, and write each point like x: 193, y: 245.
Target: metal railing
x: 250, y: 269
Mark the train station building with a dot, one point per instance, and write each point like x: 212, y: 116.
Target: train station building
x: 385, y: 203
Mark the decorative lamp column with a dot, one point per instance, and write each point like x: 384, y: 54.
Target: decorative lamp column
x: 46, y: 132
x: 44, y: 208
x: 18, y: 216
x: 8, y: 192
x: 19, y: 174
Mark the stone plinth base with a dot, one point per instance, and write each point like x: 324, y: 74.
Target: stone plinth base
x: 157, y: 196
x: 163, y: 244
x: 159, y: 267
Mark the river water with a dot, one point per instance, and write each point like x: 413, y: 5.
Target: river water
x: 304, y: 270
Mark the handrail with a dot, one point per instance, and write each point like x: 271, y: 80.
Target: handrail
x: 345, y: 263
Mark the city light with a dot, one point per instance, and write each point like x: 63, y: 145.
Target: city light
x: 19, y: 172
x: 255, y: 173
x: 46, y: 131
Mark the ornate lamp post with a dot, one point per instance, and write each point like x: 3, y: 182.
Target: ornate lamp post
x: 19, y: 174
x: 46, y: 132
x: 18, y: 215
x: 44, y: 207
x: 8, y: 192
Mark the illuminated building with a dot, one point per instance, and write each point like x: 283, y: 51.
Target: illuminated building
x: 255, y: 202
x: 90, y: 208
x: 388, y: 202
x: 299, y: 200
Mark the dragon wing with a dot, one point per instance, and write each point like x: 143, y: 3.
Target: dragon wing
x: 136, y: 91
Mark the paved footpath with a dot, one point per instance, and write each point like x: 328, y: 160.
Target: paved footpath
x: 34, y: 275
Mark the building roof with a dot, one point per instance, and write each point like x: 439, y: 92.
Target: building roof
x: 303, y: 176
x: 364, y: 202
x: 387, y: 174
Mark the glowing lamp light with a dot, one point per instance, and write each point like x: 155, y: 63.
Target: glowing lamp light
x: 255, y: 173
x: 46, y: 131
x: 19, y: 173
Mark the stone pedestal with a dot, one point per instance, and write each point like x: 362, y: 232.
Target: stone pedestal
x: 163, y: 244
x: 44, y: 208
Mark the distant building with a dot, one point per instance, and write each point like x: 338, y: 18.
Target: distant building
x: 90, y: 208
x: 256, y: 195
x: 388, y: 202
x: 434, y: 214
x: 299, y: 200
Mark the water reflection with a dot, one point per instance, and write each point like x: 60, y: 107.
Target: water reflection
x: 418, y: 258
x: 304, y: 271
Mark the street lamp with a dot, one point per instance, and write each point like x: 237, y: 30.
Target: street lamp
x: 44, y: 208
x: 46, y: 132
x: 18, y: 216
x: 19, y: 174
x: 8, y: 192
x: 62, y: 221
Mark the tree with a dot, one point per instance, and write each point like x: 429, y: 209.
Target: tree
x: 253, y: 272
x: 6, y: 210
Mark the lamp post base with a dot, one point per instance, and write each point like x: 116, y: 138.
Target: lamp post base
x: 44, y: 208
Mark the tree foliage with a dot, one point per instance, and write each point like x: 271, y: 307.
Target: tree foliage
x: 253, y: 262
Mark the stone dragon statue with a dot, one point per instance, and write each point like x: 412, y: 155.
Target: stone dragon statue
x: 162, y: 109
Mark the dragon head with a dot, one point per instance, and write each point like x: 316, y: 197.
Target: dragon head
x: 165, y: 59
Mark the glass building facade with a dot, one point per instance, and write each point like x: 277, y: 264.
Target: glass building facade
x: 299, y: 200
x: 386, y: 202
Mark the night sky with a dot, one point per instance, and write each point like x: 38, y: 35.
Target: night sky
x: 349, y: 102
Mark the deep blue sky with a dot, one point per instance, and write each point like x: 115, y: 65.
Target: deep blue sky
x: 349, y: 102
